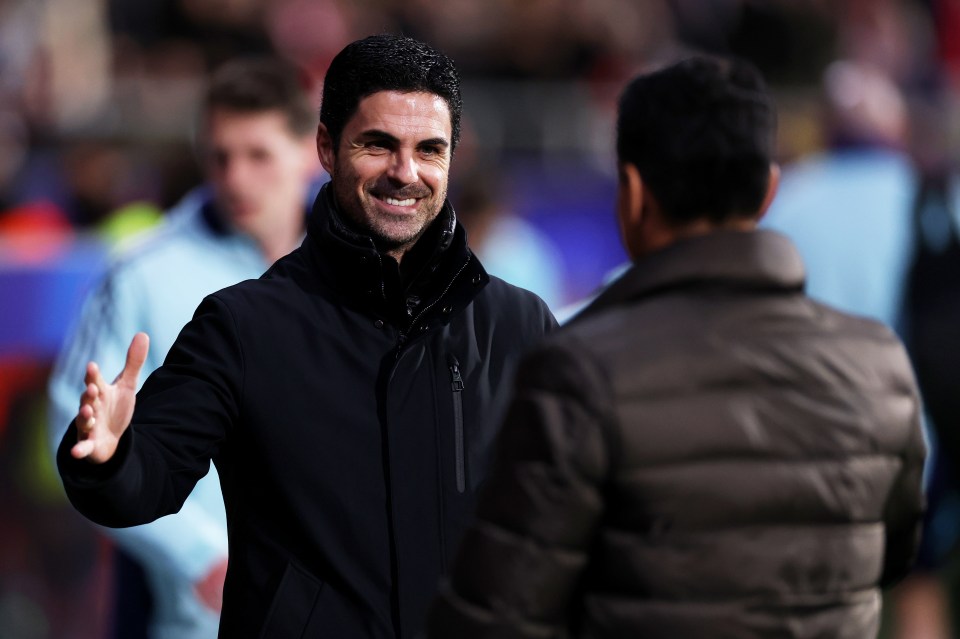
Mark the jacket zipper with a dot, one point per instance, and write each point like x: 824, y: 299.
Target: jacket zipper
x: 456, y: 384
x: 402, y: 339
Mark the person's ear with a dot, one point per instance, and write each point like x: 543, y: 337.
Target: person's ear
x: 325, y: 149
x: 630, y: 195
x: 773, y: 183
x: 630, y: 192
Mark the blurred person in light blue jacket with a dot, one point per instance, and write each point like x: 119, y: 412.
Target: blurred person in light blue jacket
x: 257, y: 150
x: 848, y: 209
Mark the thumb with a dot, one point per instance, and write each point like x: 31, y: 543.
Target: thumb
x: 136, y: 356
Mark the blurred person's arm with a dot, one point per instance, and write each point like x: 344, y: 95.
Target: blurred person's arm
x: 921, y: 608
x: 191, y: 544
x: 520, y: 563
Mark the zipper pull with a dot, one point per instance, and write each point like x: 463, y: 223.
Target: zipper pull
x: 456, y: 381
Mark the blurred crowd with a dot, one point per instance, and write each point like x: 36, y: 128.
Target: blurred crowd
x: 99, y: 102
x: 97, y: 96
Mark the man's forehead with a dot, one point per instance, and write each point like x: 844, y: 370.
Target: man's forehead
x: 406, y: 111
x: 268, y: 122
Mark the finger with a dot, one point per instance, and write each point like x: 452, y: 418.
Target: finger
x: 90, y: 398
x: 85, y: 424
x: 136, y: 356
x: 91, y: 372
x: 90, y: 394
x: 95, y: 377
x: 86, y: 412
x: 82, y: 449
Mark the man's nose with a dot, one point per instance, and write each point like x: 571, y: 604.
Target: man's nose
x: 403, y: 168
x: 233, y: 173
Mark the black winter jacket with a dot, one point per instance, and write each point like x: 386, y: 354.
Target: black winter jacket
x: 349, y: 414
x: 705, y: 453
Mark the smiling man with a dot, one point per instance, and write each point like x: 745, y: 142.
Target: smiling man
x: 394, y: 167
x: 348, y: 397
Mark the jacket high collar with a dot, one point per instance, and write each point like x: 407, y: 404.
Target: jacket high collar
x: 440, y: 265
x: 748, y: 260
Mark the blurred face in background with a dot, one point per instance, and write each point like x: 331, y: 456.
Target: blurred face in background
x: 259, y: 169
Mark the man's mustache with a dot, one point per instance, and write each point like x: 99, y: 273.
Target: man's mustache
x: 413, y: 191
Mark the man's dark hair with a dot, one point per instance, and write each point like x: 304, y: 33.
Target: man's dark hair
x: 387, y: 63
x: 701, y: 133
x: 257, y: 85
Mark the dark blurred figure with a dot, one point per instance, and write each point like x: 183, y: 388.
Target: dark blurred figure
x: 705, y: 451
x: 790, y: 42
x: 52, y: 579
x: 218, y: 30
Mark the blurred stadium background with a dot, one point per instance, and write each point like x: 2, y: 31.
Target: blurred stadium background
x: 98, y: 100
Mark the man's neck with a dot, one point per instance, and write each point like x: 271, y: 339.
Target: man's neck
x: 279, y: 239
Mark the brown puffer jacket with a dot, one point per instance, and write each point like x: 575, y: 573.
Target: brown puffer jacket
x: 704, y: 453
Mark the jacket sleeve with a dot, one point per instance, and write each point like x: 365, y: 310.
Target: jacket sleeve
x: 187, y: 545
x: 905, y: 505
x: 520, y: 562
x: 183, y: 416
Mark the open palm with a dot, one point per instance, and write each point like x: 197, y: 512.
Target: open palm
x: 106, y: 409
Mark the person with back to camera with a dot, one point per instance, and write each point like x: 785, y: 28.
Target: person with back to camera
x: 705, y: 451
x: 347, y: 397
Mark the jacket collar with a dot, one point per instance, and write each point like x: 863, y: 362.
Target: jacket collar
x: 745, y: 260
x: 349, y: 262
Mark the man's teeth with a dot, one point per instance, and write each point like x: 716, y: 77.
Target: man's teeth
x: 408, y: 202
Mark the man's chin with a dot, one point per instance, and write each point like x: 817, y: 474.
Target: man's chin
x: 393, y: 241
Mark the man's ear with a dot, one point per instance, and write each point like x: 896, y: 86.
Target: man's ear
x: 772, y: 185
x: 629, y: 197
x: 630, y: 193
x: 325, y: 149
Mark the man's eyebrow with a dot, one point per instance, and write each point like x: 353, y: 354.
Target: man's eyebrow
x: 434, y: 142
x: 379, y: 135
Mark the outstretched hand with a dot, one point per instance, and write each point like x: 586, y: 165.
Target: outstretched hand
x: 106, y: 409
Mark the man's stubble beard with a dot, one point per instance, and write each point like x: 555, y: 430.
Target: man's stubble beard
x: 351, y: 207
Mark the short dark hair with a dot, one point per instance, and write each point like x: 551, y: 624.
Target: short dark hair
x: 387, y: 63
x: 701, y: 133
x: 260, y: 84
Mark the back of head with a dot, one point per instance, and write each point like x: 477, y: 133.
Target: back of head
x: 387, y: 63
x: 260, y: 85
x: 701, y: 134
